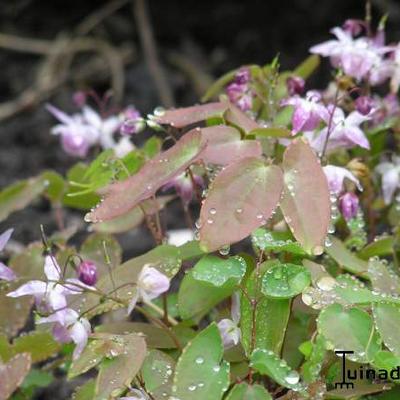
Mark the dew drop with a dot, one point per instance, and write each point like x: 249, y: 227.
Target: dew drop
x: 292, y: 378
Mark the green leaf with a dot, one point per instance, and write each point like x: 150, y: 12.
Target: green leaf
x: 36, y: 379
x: 20, y: 194
x: 311, y: 369
x: 386, y: 360
x: 271, y: 318
x: 267, y: 363
x: 244, y: 391
x: 199, y: 373
x: 387, y: 320
x: 346, y: 259
x: 350, y: 329
x: 210, y: 281
x: 152, y: 147
x: 121, y: 197
x: 13, y: 374
x: 306, y: 201
x: 157, y: 372
x: 234, y: 116
x: 86, y: 391
x: 275, y: 241
x: 242, y: 198
x: 217, y: 271
x: 308, y: 66
x: 274, y: 132
x: 285, y: 281
x: 116, y: 374
x: 383, y: 279
x: 56, y: 186
x: 380, y: 247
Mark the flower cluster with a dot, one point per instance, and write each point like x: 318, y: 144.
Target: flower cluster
x: 239, y: 90
x: 87, y: 128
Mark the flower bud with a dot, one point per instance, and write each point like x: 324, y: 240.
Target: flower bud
x: 75, y: 145
x: 364, y: 105
x: 349, y: 205
x: 353, y: 26
x: 242, y: 76
x: 295, y: 85
x: 79, y: 98
x: 87, y: 272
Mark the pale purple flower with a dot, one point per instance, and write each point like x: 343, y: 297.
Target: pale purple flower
x: 336, y: 177
x: 364, y: 104
x: 228, y: 328
x: 150, y: 284
x: 308, y: 112
x: 345, y: 131
x: 79, y: 98
x: 77, y: 135
x: 349, y: 205
x: 359, y: 58
x: 69, y: 327
x: 87, y: 272
x: 239, y: 91
x: 6, y: 273
x: 184, y: 187
x: 243, y: 76
x: 295, y: 85
x: 136, y: 394
x: 353, y: 26
x: 50, y: 295
x: 390, y: 172
x: 133, y: 122
x: 123, y: 147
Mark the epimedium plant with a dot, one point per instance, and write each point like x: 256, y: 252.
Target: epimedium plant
x: 291, y: 250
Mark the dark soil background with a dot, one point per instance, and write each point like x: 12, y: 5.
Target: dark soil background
x: 196, y: 42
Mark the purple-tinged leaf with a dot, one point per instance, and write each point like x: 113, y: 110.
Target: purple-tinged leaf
x: 13, y: 373
x: 182, y: 117
x: 306, y: 202
x: 121, y: 197
x: 224, y: 145
x: 236, y: 117
x: 242, y: 198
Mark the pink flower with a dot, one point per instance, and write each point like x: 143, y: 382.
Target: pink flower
x: 358, y: 58
x: 87, y: 272
x: 50, y: 295
x: 228, y: 328
x: 6, y: 273
x: 69, y: 327
x: 295, y: 85
x: 308, y: 112
x: 390, y: 172
x: 150, y: 284
x: 349, y: 205
x: 184, y: 186
x: 133, y: 123
x: 79, y: 98
x: 336, y: 176
x: 353, y: 26
x: 239, y: 91
x: 364, y: 105
x: 345, y: 132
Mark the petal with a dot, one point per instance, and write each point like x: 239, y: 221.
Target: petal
x: 52, y: 269
x: 355, y: 118
x: 92, y: 117
x: 390, y: 182
x: 29, y: 288
x: 60, y: 115
x: 7, y: 274
x: 133, y: 301
x: 79, y: 334
x: 56, y: 300
x: 5, y: 237
x: 300, y: 117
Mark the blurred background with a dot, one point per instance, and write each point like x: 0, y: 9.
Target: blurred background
x: 51, y: 48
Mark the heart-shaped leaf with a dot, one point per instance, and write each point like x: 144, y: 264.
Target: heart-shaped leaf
x: 306, y: 201
x: 275, y: 241
x: 225, y: 147
x: 349, y: 329
x: 383, y: 279
x: 121, y: 197
x: 13, y: 373
x: 242, y: 197
x: 116, y: 374
x: 182, y: 117
x: 244, y: 391
x: 238, y: 118
x: 199, y: 373
x: 285, y: 280
x: 387, y: 320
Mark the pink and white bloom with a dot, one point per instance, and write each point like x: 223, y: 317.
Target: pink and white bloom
x: 184, y: 186
x: 308, y: 113
x: 228, y: 328
x: 390, y: 172
x: 336, y: 177
x: 150, y: 284
x: 50, y: 295
x: 69, y: 327
x: 349, y: 205
x: 6, y: 273
x: 345, y: 132
x: 361, y: 58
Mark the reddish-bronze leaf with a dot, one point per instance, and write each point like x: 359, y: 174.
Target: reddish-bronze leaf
x: 189, y: 115
x: 236, y: 117
x: 224, y: 145
x: 242, y: 197
x: 13, y: 373
x: 305, y: 204
x: 122, y: 196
